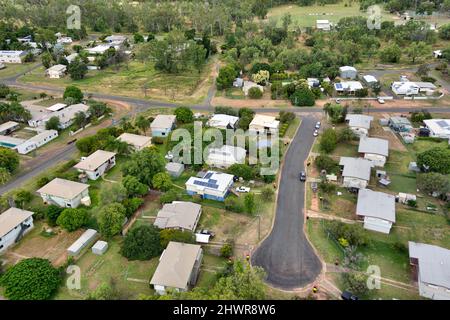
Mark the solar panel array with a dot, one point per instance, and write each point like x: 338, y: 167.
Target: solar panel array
x: 338, y: 86
x: 209, y: 184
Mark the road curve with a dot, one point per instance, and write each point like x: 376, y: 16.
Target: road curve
x: 286, y: 255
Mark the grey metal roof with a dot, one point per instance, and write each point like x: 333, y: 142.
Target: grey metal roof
x: 374, y: 145
x: 356, y: 167
x: 178, y: 214
x: 359, y: 120
x: 376, y: 204
x: 434, y: 263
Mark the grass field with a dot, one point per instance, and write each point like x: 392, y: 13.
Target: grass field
x: 13, y: 69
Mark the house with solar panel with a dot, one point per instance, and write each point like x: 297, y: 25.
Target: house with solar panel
x: 212, y: 185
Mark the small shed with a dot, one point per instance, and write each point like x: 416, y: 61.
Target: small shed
x: 384, y: 122
x: 100, y: 247
x: 202, y: 238
x: 175, y: 169
x: 85, y: 240
x: 405, y: 197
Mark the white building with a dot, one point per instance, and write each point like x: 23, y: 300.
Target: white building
x: 439, y: 128
x: 377, y: 209
x: 8, y: 127
x: 14, y: 223
x: 98, y: 50
x: 71, y: 57
x: 356, y: 172
x: 348, y: 87
x: 249, y: 84
x: 370, y: 80
x: 2, y: 66
x: 66, y: 116
x: 65, y: 193
x: 64, y: 40
x: 223, y: 121
x: 348, y: 72
x: 56, y: 72
x: 374, y: 149
x: 412, y: 88
x: 97, y: 164
x: 323, y: 25
x: 87, y: 238
x: 359, y: 123
x: 8, y: 56
x: 179, y: 215
x: 37, y: 141
x: 213, y: 185
x: 116, y: 39
x: 431, y: 269
x: 226, y: 156
x: 57, y: 107
x: 262, y: 124
x: 163, y: 125
x: 138, y: 142
x: 178, y: 268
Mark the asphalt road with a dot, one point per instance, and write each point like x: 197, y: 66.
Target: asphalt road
x: 286, y: 255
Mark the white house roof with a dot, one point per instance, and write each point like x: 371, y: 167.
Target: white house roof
x: 347, y: 68
x: 178, y: 214
x: 425, y: 85
x: 71, y: 57
x: 223, y: 120
x: 95, y: 160
x: 227, y: 154
x: 376, y: 205
x: 11, y: 218
x: 41, y: 135
x: 57, y: 68
x: 12, y: 53
x: 356, y: 168
x: 8, y: 125
x: 212, y: 180
x: 438, y: 126
x: 348, y: 85
x: 135, y: 140
x: 174, y: 166
x: 265, y: 121
x: 163, y: 121
x: 57, y: 107
x: 359, y: 120
x: 323, y: 21
x: 86, y: 237
x: 374, y: 146
x: 62, y: 188
x: 434, y: 263
x: 115, y: 38
x: 100, y: 49
x: 370, y: 79
x: 11, y: 140
x: 176, y: 265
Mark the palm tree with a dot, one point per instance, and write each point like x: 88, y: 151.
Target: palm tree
x: 142, y: 123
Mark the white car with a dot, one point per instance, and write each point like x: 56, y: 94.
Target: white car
x: 381, y: 101
x: 338, y: 101
x: 318, y: 124
x: 316, y: 133
x: 243, y: 190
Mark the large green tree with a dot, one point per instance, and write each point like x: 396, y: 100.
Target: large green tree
x: 435, y: 160
x: 141, y: 243
x: 144, y: 165
x: 72, y: 219
x: 9, y: 159
x: 110, y: 219
x: 74, y: 93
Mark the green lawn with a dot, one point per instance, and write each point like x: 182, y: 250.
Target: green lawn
x: 13, y: 69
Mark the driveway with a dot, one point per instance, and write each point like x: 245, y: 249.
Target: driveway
x: 286, y: 255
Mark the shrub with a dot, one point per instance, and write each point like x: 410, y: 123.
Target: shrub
x: 132, y: 205
x: 328, y: 141
x: 355, y: 282
x: 72, y: 219
x: 324, y: 162
x: 52, y: 213
x: 233, y: 204
x: 286, y: 116
x: 158, y: 140
x: 226, y: 251
x: 303, y: 97
x: 242, y: 171
x: 168, y: 197
x: 142, y: 243
x: 167, y: 235
x: 353, y: 233
x: 255, y: 93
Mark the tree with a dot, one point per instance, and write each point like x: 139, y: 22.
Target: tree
x: 46, y: 58
x: 104, y: 291
x: 444, y: 31
x: 324, y: 162
x: 167, y: 235
x: 286, y: 116
x: 184, y: 115
x: 144, y: 165
x: 138, y: 38
x: 417, y: 50
x: 134, y: 187
x: 303, y: 97
x: 9, y: 159
x: 52, y: 124
x: 433, y: 182
x: 72, y: 219
x: 80, y: 119
x: 142, y: 123
x: 242, y: 171
x: 74, y: 93
x: 4, y: 91
x: 255, y: 93
x: 5, y: 175
x: 77, y: 69
x: 261, y: 77
x: 113, y: 193
x: 435, y: 160
x: 226, y: 77
x: 98, y: 109
x: 131, y: 205
x: 162, y: 181
x: 250, y: 203
x: 391, y: 53
x: 328, y: 141
x: 52, y: 213
x: 31, y: 279
x: 226, y: 251
x: 110, y: 219
x: 355, y: 282
x: 336, y: 112
x: 141, y: 243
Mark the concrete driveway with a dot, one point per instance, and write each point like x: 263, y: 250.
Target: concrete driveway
x: 286, y: 255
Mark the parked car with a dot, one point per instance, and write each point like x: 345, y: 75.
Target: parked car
x: 208, y: 232
x: 316, y: 133
x: 243, y: 189
x: 381, y: 101
x: 338, y: 101
x: 346, y: 295
x: 318, y: 124
x: 302, y: 176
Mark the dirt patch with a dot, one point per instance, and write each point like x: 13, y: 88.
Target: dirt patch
x: 377, y: 131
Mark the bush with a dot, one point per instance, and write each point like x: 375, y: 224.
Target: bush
x: 303, y: 98
x: 158, y: 140
x: 132, y: 205
x: 168, y: 197
x: 226, y: 110
x: 269, y: 178
x: 162, y: 181
x: 52, y: 213
x: 435, y: 160
x: 355, y: 282
x: 233, y: 204
x: 31, y: 279
x: 242, y: 171
x: 353, y: 233
x: 141, y: 243
x: 362, y: 93
x: 286, y: 116
x: 72, y: 219
x: 167, y: 235
x: 328, y: 141
x: 324, y: 162
x: 226, y: 251
x: 267, y: 194
x: 255, y: 93
x: 283, y: 129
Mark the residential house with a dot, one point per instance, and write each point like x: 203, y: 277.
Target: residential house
x: 370, y: 80
x: 8, y: 127
x: 356, y: 172
x: 374, y: 149
x: 377, y: 209
x: 347, y: 87
x: 262, y: 124
x: 71, y: 57
x: 431, y: 269
x: 162, y: 125
x: 64, y: 40
x: 400, y: 124
x: 14, y: 223
x: 359, y: 123
x: 99, y: 50
x: 409, y: 88
x: 137, y: 142
x: 179, y: 215
x: 249, y: 84
x: 57, y: 107
x: 213, y: 185
x: 323, y: 25
x: 174, y: 169
x: 37, y: 141
x: 178, y: 268
x: 116, y: 39
x: 56, y: 72
x: 223, y: 121
x: 8, y: 56
x: 226, y: 156
x: 97, y: 164
x: 65, y: 193
x: 66, y: 116
x: 439, y: 128
x: 347, y: 72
